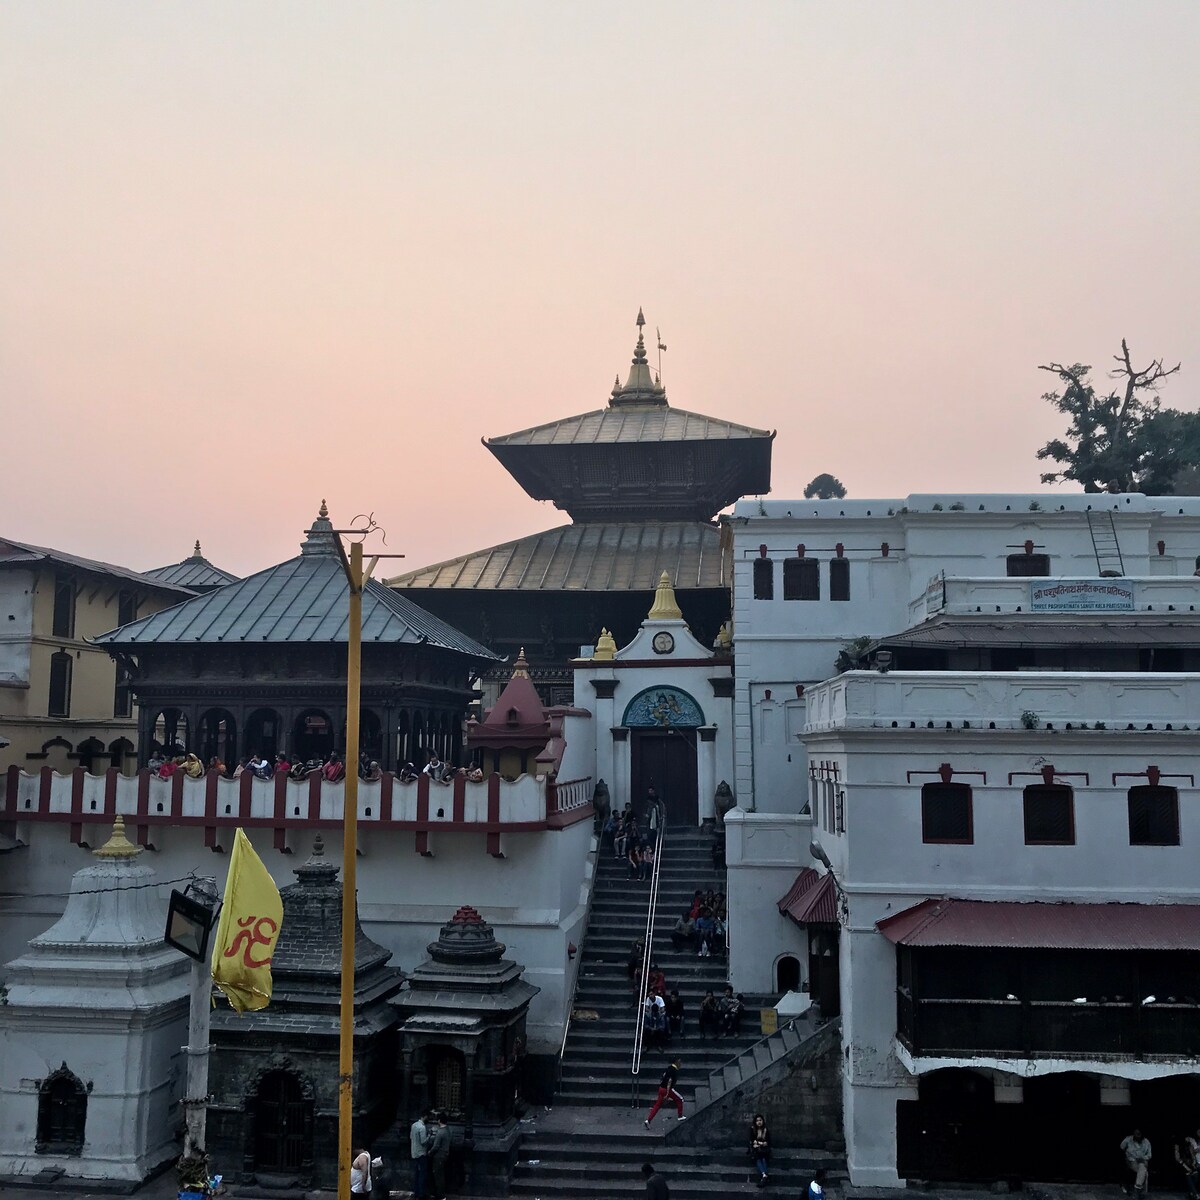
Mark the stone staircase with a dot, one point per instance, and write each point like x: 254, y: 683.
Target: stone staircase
x: 600, y: 1156
x: 596, y: 1064
x: 750, y: 1062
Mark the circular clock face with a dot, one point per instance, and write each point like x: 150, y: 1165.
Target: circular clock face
x: 663, y: 642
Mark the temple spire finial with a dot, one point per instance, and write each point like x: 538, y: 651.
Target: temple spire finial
x: 665, y: 607
x: 324, y: 512
x: 196, y: 550
x: 521, y: 666
x: 606, y: 647
x: 118, y: 845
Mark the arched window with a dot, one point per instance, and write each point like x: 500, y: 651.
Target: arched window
x: 787, y: 974
x: 62, y: 1113
x: 946, y: 813
x: 64, y: 608
x: 1049, y: 815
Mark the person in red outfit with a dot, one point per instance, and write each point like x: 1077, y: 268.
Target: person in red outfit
x: 666, y: 1090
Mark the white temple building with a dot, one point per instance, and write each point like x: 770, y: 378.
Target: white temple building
x: 91, y: 1030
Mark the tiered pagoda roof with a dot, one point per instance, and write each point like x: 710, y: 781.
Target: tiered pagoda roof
x: 638, y: 458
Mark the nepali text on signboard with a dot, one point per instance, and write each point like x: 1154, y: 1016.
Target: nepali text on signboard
x: 1081, y: 595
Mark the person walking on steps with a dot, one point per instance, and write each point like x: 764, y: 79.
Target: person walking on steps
x: 760, y: 1146
x: 666, y: 1090
x: 656, y: 1185
x: 816, y: 1189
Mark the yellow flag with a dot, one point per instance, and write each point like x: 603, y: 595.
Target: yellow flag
x: 248, y: 930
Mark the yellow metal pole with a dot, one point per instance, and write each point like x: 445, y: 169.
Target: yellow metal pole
x: 349, y: 874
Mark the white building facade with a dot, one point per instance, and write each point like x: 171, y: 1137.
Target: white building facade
x: 987, y: 831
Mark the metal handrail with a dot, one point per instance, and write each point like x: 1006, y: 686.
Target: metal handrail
x: 647, y: 956
x: 587, y: 917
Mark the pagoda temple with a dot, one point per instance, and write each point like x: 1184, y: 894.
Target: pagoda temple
x: 642, y: 482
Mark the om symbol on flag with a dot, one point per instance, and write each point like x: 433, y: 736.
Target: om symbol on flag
x: 252, y: 933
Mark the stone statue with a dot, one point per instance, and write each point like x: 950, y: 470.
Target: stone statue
x: 601, y: 803
x: 724, y: 800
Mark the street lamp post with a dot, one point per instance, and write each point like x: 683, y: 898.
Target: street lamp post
x: 190, y: 918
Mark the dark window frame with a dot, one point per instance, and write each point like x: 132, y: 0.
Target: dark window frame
x: 1038, y: 566
x: 61, y: 670
x: 764, y: 579
x: 947, y: 791
x: 1160, y: 792
x: 839, y: 579
x: 62, y: 1114
x: 802, y: 579
x: 62, y: 623
x: 127, y: 607
x: 1046, y: 791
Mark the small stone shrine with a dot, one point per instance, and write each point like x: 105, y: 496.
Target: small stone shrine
x: 273, y: 1075
x: 91, y: 1023
x: 514, y: 731
x: 462, y: 1041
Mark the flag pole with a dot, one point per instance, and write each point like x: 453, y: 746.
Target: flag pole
x: 349, y: 872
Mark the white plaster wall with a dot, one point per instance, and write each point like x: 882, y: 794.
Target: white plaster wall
x: 16, y: 625
x: 135, y: 1068
x: 535, y: 897
x: 762, y: 851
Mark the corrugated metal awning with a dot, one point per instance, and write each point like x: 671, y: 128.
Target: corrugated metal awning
x: 1040, y: 629
x: 811, y: 900
x: 1038, y: 925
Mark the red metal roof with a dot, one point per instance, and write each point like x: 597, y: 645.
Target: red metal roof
x: 804, y: 881
x: 1038, y: 925
x: 811, y: 900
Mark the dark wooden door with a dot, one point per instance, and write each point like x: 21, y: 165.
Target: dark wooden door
x: 665, y: 759
x: 279, y: 1124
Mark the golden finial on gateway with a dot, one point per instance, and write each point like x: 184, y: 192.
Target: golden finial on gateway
x: 665, y: 608
x: 606, y: 647
x: 118, y: 845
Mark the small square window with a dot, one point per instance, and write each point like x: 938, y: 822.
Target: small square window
x: 946, y: 814
x: 764, y: 579
x: 1049, y: 815
x: 1153, y: 816
x: 1032, y: 566
x: 801, y: 579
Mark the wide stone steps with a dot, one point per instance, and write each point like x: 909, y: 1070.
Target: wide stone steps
x: 596, y: 1067
x: 605, y: 1161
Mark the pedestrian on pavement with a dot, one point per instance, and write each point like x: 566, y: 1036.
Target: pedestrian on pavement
x: 360, y: 1173
x: 418, y: 1136
x: 760, y: 1146
x: 1136, y: 1149
x: 666, y: 1090
x: 439, y: 1154
x: 816, y: 1189
x: 656, y: 1185
x: 1187, y: 1155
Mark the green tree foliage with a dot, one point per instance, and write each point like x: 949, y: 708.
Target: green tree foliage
x: 1123, y: 438
x: 825, y: 487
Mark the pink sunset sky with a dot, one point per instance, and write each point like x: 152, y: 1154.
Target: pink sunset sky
x: 259, y: 253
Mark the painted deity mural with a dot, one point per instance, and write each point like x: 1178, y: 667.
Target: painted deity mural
x: 663, y: 708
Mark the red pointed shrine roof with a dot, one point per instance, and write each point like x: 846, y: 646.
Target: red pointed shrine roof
x: 517, y: 720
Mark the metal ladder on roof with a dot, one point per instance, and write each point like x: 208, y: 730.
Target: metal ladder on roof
x: 1103, y: 529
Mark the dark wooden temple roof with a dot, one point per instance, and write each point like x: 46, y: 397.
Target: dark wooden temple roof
x: 628, y: 424
x: 638, y: 459
x: 194, y: 572
x: 303, y: 600
x: 588, y: 557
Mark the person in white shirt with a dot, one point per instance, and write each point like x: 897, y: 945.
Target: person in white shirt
x: 360, y: 1173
